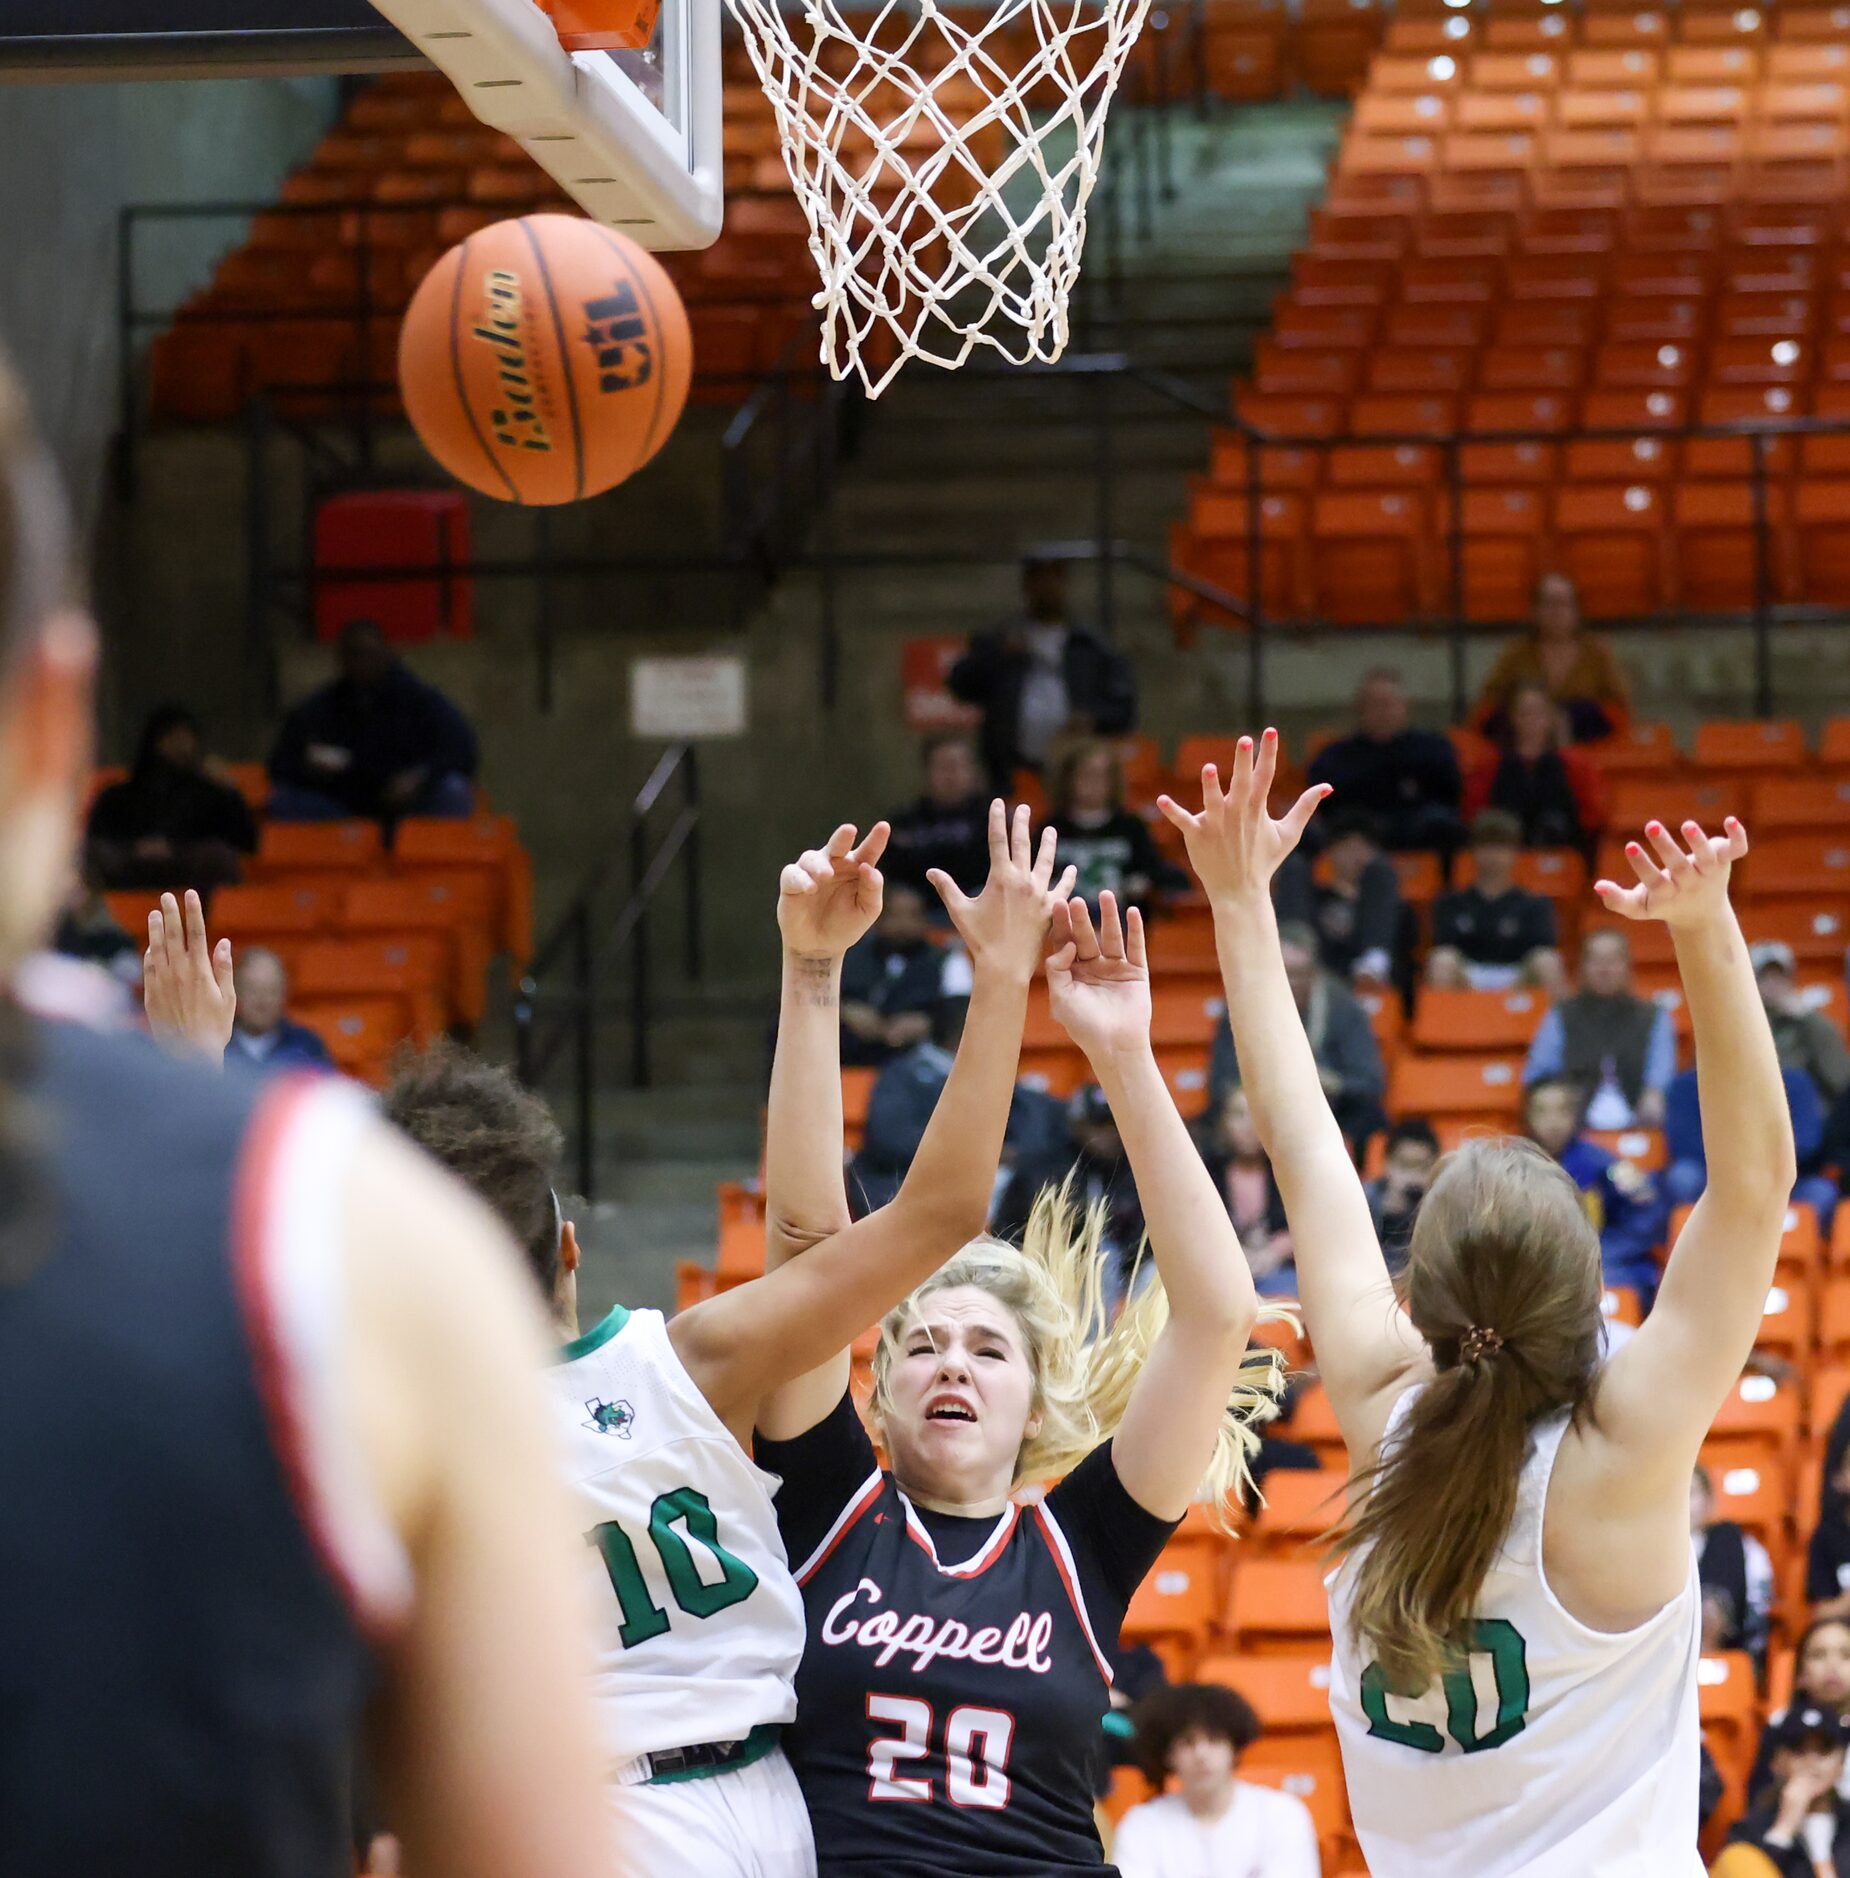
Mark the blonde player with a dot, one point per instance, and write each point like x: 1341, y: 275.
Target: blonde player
x: 702, y: 1625
x: 1516, y: 1618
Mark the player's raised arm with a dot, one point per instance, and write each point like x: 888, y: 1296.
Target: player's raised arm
x: 1663, y: 1389
x: 1365, y: 1348
x: 1100, y: 981
x: 187, y: 988
x: 772, y: 1334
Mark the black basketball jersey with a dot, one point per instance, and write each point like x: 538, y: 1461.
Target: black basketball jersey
x: 180, y: 1671
x: 955, y: 1671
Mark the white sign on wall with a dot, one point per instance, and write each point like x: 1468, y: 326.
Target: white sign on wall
x: 675, y: 698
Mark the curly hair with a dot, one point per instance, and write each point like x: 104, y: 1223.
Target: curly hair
x: 1166, y: 1714
x: 494, y: 1136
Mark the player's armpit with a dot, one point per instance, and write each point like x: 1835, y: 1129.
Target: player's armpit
x: 489, y: 1736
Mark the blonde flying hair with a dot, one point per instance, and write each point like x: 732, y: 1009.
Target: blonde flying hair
x: 1503, y: 1282
x: 1084, y: 1362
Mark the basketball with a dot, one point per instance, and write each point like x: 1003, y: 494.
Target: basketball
x: 545, y: 359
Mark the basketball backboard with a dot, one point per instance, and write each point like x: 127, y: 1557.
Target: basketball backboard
x: 633, y: 137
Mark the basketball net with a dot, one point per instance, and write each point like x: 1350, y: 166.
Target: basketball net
x: 944, y: 158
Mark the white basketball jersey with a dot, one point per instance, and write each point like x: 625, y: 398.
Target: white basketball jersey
x: 1562, y: 1752
x: 699, y: 1623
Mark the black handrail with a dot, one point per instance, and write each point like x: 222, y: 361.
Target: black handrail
x: 587, y: 955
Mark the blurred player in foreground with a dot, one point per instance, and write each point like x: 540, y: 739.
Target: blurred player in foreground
x: 269, y: 1433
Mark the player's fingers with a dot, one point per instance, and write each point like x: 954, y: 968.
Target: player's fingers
x: 1676, y: 862
x: 998, y: 833
x: 1240, y: 783
x: 947, y: 891
x: 1110, y: 927
x: 224, y: 971
x: 1627, y: 901
x: 1298, y: 815
x: 195, y: 924
x: 1021, y: 838
x: 173, y: 929
x: 1266, y: 765
x: 872, y: 878
x: 1650, y: 875
x: 1063, y: 887
x: 1701, y: 848
x: 796, y: 879
x: 1737, y: 837
x: 1176, y: 815
x: 1060, y: 922
x: 873, y: 843
x: 1133, y: 939
x: 1084, y: 938
x: 838, y: 844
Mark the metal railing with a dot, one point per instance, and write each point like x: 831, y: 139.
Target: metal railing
x: 561, y: 1000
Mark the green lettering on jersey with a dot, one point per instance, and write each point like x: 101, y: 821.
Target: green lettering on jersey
x: 1493, y: 1637
x: 643, y: 1618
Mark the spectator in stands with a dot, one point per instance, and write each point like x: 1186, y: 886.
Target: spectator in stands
x: 1395, y: 1194
x: 1042, y: 675
x: 87, y: 930
x: 1736, y: 1576
x: 263, y: 1033
x: 1089, y: 1152
x: 1688, y: 1172
x: 1494, y: 934
x: 1625, y: 1205
x: 906, y: 1092
x: 890, y: 982
x: 1109, y: 845
x: 177, y: 820
x: 1211, y: 1824
x: 1827, y: 1558
x: 1351, y: 902
x: 1820, y: 1680
x: 947, y: 827
x: 1620, y: 1046
x: 1406, y: 777
x: 378, y: 742
x: 1801, y: 1823
x: 1805, y: 1038
x: 1555, y: 791
x: 1578, y: 672
x: 1341, y: 1037
x: 1230, y: 1146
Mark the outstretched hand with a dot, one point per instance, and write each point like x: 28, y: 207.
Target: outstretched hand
x: 1235, y: 845
x: 1681, y: 889
x: 829, y: 896
x: 1099, y: 981
x: 186, y: 984
x: 1005, y: 926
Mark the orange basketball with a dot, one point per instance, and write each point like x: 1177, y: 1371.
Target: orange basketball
x: 545, y: 359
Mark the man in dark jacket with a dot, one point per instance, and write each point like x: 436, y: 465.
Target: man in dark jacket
x: 1090, y: 1150
x: 1041, y: 675
x: 1407, y: 778
x: 947, y: 827
x: 173, y: 822
x: 891, y: 982
x: 377, y: 742
x: 1341, y: 1039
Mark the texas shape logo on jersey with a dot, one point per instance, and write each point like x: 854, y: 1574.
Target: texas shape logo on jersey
x: 610, y: 1418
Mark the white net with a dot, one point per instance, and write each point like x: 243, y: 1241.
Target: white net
x: 944, y: 157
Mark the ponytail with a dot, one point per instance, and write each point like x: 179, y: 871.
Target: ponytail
x: 1503, y: 1281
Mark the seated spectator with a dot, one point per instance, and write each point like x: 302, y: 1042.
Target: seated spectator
x: 891, y: 982
x: 1230, y: 1146
x: 378, y: 743
x: 1555, y: 792
x: 947, y: 827
x: 1395, y: 1194
x: 1039, y: 676
x: 1827, y: 1558
x: 1211, y: 1824
x: 1628, y: 1211
x: 263, y: 1034
x: 176, y: 821
x: 1609, y: 1040
x: 1341, y: 1038
x: 1355, y: 909
x: 1089, y: 1152
x: 1111, y: 847
x: 907, y: 1090
x: 1805, y: 1038
x: 87, y: 930
x: 1579, y: 672
x: 1735, y: 1572
x: 1494, y: 934
x: 1820, y: 1680
x: 1800, y: 1826
x: 1406, y: 777
x: 1688, y: 1172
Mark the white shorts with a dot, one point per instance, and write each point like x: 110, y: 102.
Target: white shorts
x: 749, y: 1823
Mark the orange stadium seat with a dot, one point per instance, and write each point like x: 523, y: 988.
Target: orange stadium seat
x: 360, y: 1033
x: 1277, y: 1606
x: 256, y: 915
x: 1181, y: 1594
x: 411, y: 968
x: 453, y: 905
x: 1310, y: 1768
x: 318, y: 847
x: 484, y: 844
x: 1477, y: 1020
x: 1465, y: 1084
x: 1289, y: 1694
x: 1298, y: 1509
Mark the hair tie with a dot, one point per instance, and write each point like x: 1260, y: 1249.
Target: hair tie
x: 1477, y: 1343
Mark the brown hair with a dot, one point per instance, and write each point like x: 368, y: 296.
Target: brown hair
x: 1172, y: 1710
x: 1060, y: 795
x: 1501, y: 1246
x: 499, y: 1139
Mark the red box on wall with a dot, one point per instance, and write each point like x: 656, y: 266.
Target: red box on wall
x: 924, y: 667
x: 425, y: 528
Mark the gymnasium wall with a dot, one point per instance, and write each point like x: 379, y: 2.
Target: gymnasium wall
x: 71, y: 156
